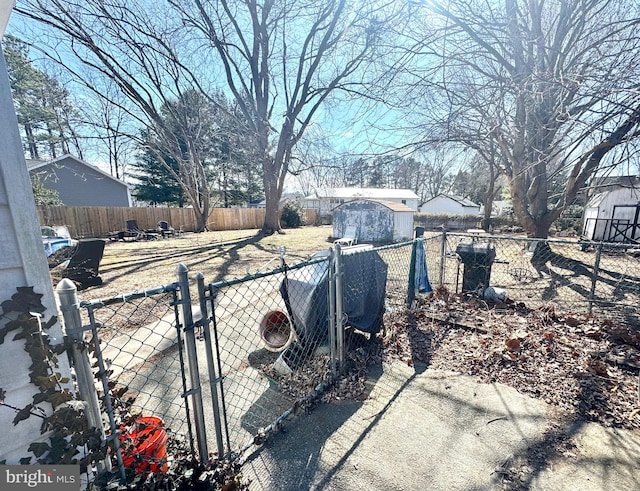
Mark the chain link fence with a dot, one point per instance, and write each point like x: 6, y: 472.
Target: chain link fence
x: 141, y: 349
x: 570, y: 274
x: 129, y: 352
x: 239, y: 357
x: 280, y: 337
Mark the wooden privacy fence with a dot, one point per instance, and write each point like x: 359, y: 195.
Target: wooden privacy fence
x: 99, y: 221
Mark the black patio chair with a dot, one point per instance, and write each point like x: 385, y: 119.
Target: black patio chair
x: 165, y: 229
x: 85, y: 262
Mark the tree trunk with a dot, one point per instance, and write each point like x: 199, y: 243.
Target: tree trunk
x: 271, y: 223
x: 31, y: 143
x: 201, y: 220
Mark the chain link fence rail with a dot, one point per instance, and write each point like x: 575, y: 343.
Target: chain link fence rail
x: 570, y: 274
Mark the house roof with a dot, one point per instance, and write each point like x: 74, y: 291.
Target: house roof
x: 459, y: 199
x: 368, y: 193
x: 33, y: 165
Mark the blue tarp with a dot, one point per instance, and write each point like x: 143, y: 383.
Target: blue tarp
x: 422, y: 276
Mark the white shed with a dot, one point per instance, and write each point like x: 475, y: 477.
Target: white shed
x: 613, y: 216
x: 375, y: 220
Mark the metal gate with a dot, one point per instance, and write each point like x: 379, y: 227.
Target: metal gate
x: 248, y: 344
x: 137, y: 346
x: 274, y: 341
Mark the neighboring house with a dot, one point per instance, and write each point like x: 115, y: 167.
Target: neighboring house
x: 374, y: 220
x: 450, y: 204
x: 296, y: 197
x: 326, y: 200
x: 22, y: 263
x: 79, y: 183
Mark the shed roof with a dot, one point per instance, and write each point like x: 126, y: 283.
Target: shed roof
x: 392, y: 205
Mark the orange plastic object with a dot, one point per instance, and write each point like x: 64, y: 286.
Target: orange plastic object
x: 144, y: 447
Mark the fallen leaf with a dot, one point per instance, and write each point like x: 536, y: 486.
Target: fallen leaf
x: 513, y: 344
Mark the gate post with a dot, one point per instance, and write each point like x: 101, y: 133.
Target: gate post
x: 411, y: 287
x: 213, y: 377
x: 192, y: 360
x: 67, y: 293
x: 339, y: 277
x: 331, y: 280
x: 594, y: 277
x: 443, y: 256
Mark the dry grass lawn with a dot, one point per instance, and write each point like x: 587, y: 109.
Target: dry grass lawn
x: 144, y: 264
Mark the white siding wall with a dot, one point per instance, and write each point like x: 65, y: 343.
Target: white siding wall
x: 22, y: 263
x: 402, y: 226
x: 442, y: 204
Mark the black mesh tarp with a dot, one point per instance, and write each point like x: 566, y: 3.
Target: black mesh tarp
x: 305, y: 292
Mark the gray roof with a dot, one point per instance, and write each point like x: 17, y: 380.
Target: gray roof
x: 33, y: 165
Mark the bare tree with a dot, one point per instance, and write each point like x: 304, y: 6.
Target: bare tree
x: 111, y: 127
x: 544, y: 89
x: 281, y: 60
x: 126, y: 45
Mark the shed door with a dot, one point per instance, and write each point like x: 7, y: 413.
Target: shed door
x: 590, y: 216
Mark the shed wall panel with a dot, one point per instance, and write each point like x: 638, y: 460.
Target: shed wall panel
x: 375, y: 222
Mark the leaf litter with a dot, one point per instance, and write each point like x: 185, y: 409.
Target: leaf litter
x: 583, y: 365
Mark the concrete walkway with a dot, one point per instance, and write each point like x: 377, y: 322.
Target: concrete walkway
x: 416, y: 429
x: 430, y: 430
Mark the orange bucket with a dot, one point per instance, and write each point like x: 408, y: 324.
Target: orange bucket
x: 144, y: 447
